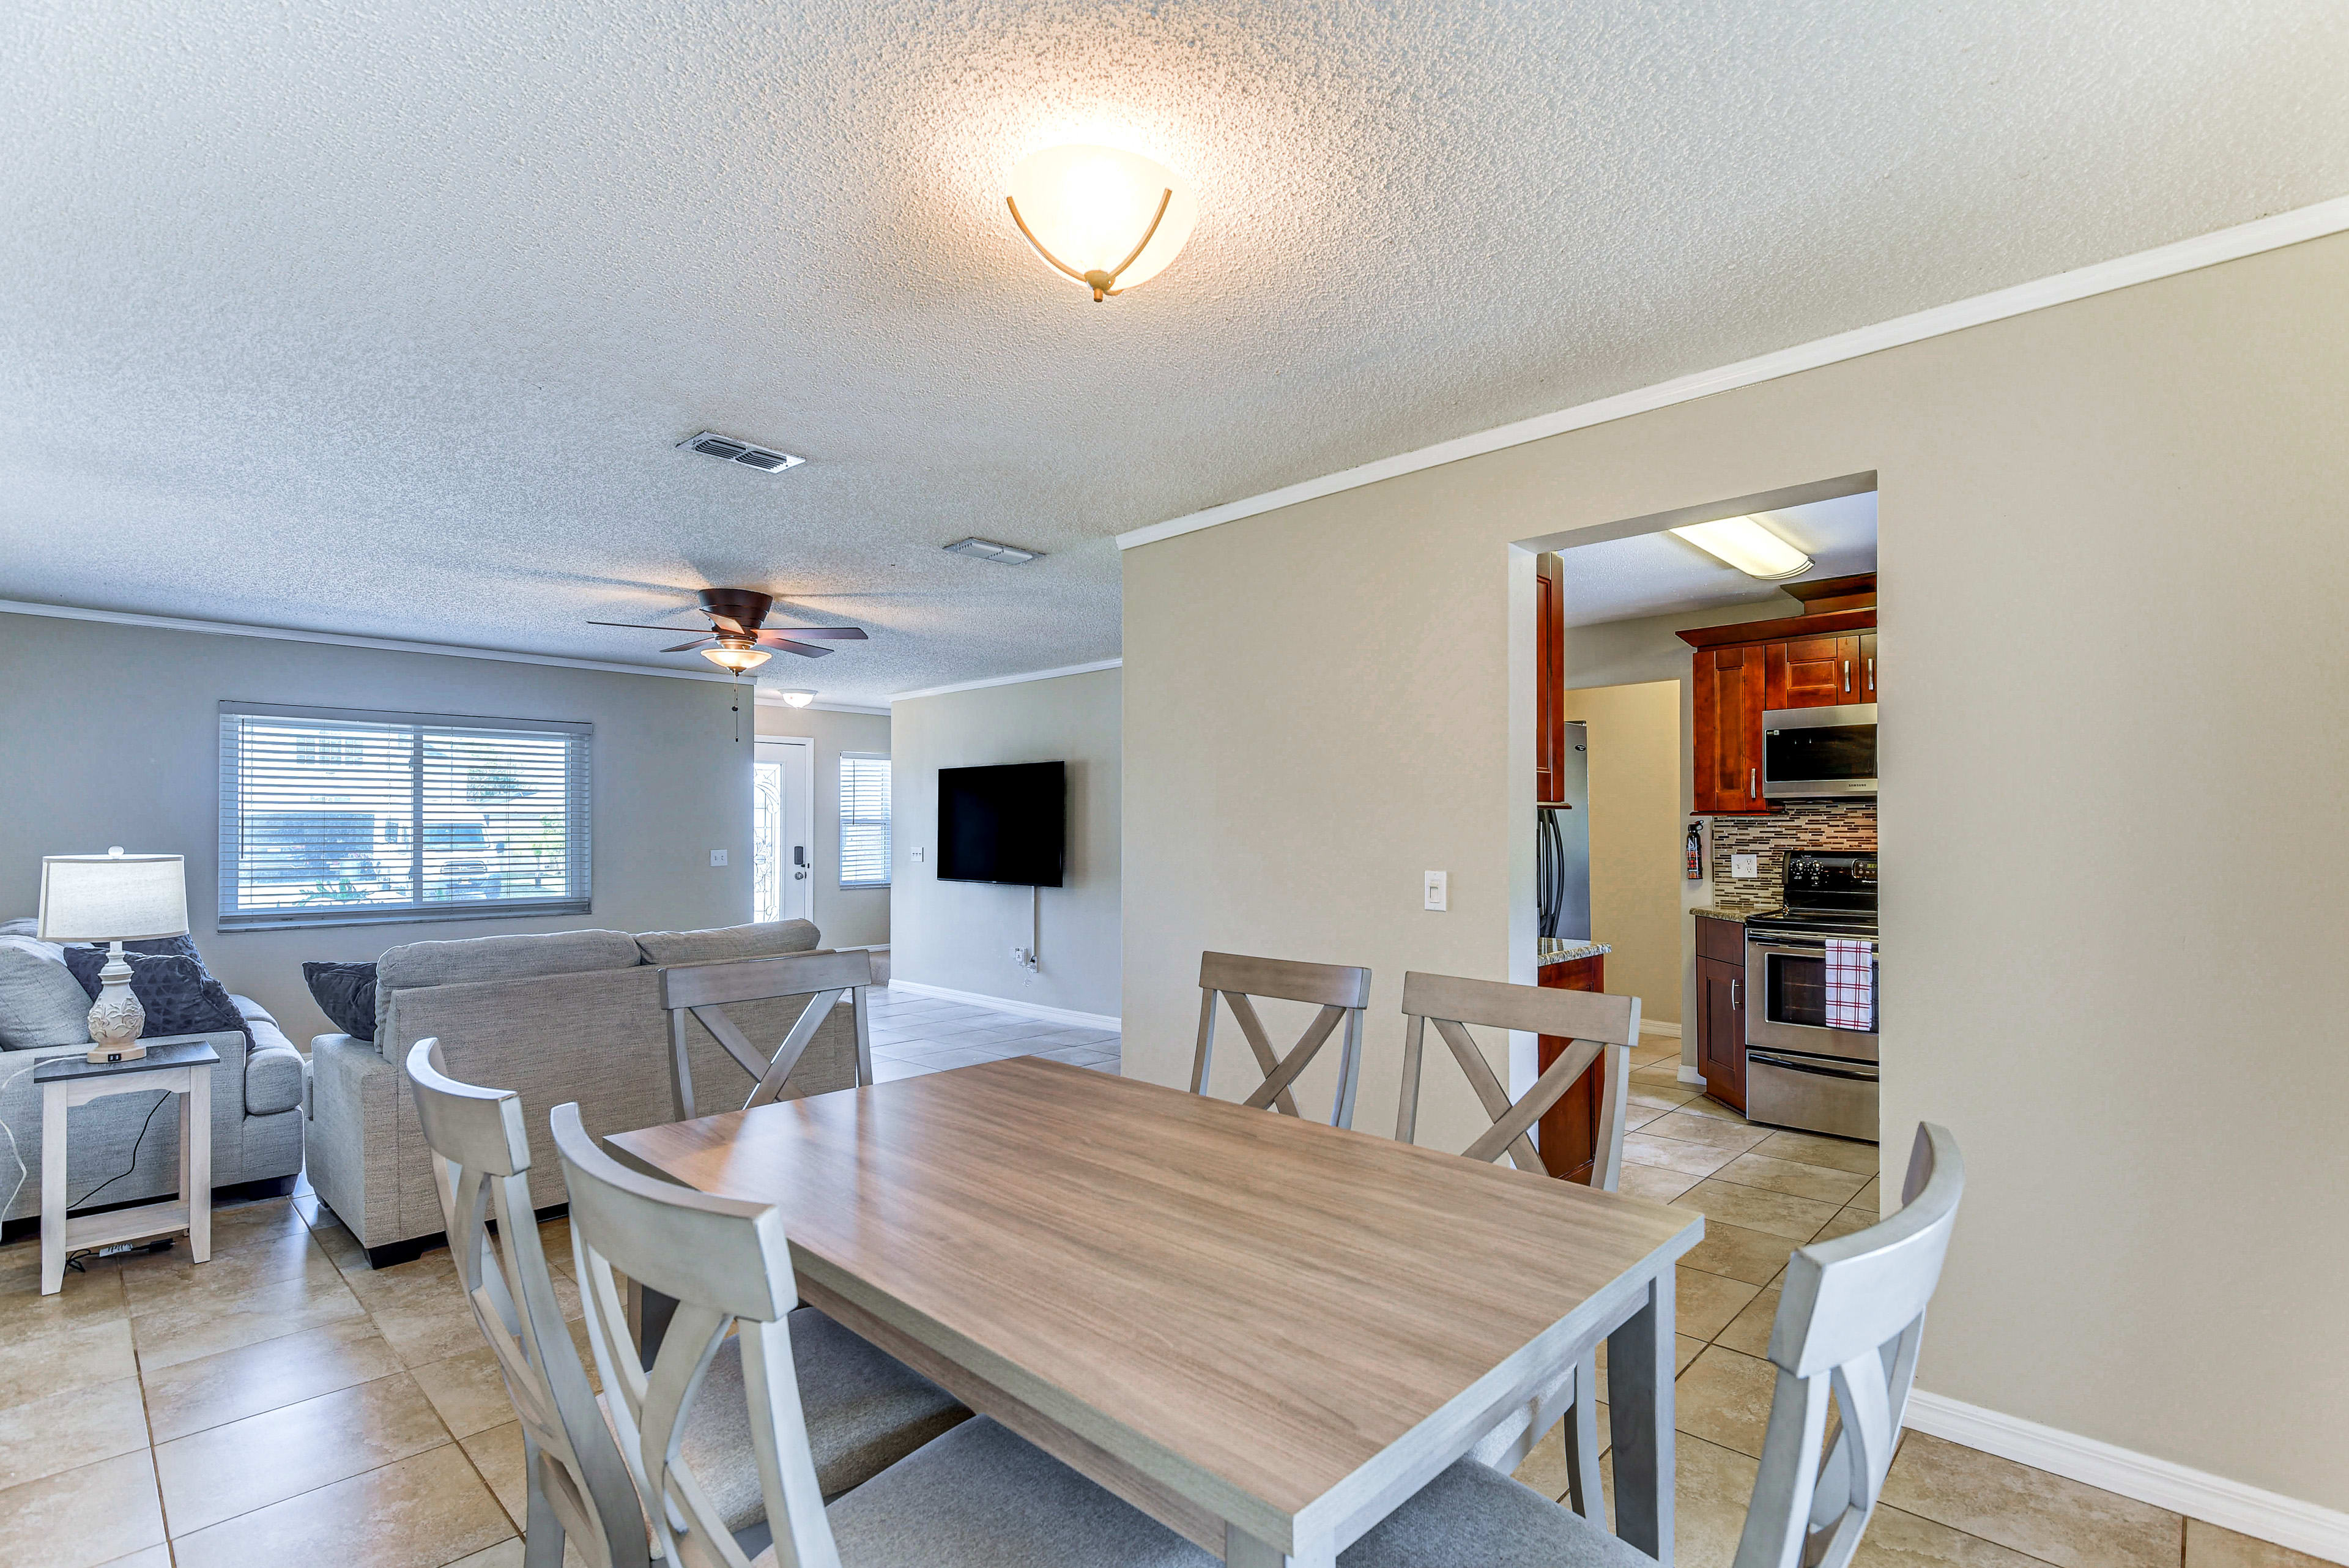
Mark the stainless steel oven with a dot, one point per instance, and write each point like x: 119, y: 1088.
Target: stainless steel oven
x: 1787, y: 996
x: 1818, y: 751
x: 1800, y: 1070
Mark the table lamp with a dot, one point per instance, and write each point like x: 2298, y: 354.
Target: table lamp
x: 114, y: 898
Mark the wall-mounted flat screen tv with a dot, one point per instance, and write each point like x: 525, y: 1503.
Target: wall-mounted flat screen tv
x: 1003, y: 823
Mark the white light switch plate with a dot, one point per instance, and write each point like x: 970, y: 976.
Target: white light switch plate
x: 1438, y: 892
x: 920, y: 854
x: 718, y: 857
x: 1745, y: 865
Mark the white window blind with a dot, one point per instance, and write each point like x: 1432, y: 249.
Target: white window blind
x: 331, y: 816
x: 864, y: 820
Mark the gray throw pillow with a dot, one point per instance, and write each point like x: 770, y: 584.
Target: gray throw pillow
x: 35, y: 1008
x: 22, y: 925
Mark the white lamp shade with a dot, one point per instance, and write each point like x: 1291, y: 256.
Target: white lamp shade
x: 113, y: 897
x: 1089, y: 206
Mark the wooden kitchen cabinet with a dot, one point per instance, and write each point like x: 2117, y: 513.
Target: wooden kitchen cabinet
x: 1812, y: 672
x: 1721, y: 1030
x: 1727, y: 723
x: 1868, y: 667
x: 1549, y: 678
x: 1567, y: 1133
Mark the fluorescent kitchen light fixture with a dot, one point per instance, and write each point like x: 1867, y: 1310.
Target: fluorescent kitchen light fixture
x: 1747, y: 544
x: 991, y: 550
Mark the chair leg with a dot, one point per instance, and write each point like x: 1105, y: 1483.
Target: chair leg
x: 542, y: 1544
x: 1583, y: 1491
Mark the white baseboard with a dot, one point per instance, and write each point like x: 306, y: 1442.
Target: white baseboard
x: 1005, y: 1004
x: 2234, y: 1505
x: 1672, y: 1030
x: 1691, y: 1077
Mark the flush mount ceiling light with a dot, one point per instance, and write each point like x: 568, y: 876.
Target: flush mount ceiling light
x: 796, y: 699
x: 1108, y: 218
x: 989, y: 550
x: 1747, y: 544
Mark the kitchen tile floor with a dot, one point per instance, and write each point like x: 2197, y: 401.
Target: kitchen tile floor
x: 284, y: 1405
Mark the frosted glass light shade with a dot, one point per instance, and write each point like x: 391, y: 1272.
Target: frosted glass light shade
x: 113, y: 897
x: 740, y: 661
x: 1747, y: 544
x: 1087, y: 207
x: 796, y: 699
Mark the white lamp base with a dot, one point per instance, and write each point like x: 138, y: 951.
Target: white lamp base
x: 116, y: 1018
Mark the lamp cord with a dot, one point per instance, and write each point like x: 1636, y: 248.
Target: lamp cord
x: 160, y: 1096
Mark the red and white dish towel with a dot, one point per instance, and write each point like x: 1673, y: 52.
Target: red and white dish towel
x: 1851, y: 984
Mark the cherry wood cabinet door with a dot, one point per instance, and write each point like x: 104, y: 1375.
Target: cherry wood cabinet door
x: 1812, y: 672
x: 1550, y: 677
x: 1721, y: 1030
x: 1567, y: 1132
x: 1868, y: 667
x: 1728, y: 703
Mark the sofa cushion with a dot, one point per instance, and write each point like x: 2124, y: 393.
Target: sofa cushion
x: 41, y: 1003
x: 345, y: 992
x: 273, y: 1079
x: 764, y: 939
x: 21, y: 926
x: 177, y: 993
x: 250, y: 1010
x: 479, y: 959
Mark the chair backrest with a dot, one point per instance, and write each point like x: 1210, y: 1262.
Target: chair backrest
x: 726, y: 1265
x: 1596, y: 1025
x: 1849, y: 1322
x: 1341, y: 991
x: 480, y: 1165
x: 702, y: 990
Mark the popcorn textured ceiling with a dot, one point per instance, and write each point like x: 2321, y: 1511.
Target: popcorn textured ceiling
x: 385, y: 320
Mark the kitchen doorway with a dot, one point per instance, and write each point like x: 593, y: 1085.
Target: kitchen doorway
x: 782, y: 833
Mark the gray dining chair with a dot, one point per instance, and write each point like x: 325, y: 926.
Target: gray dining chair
x: 864, y: 1409
x: 1342, y: 992
x: 702, y: 991
x: 978, y: 1496
x: 1851, y: 1315
x: 1596, y: 1026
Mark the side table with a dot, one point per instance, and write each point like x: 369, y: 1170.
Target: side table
x: 182, y: 1066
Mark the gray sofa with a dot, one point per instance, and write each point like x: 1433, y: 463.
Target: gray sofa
x: 256, y: 1125
x: 571, y: 1015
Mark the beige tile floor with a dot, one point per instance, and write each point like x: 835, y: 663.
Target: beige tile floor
x: 285, y: 1407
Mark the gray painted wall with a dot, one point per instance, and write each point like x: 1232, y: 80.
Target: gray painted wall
x: 848, y: 917
x: 111, y: 734
x: 960, y: 935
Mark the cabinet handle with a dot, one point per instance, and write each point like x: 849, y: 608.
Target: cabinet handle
x: 1753, y: 784
x: 1736, y: 994
x: 1846, y: 674
x: 1871, y: 672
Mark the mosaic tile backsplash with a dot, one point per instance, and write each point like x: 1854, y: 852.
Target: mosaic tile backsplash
x: 1796, y: 824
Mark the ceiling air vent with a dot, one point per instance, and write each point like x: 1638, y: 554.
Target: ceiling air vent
x: 989, y: 550
x: 731, y: 450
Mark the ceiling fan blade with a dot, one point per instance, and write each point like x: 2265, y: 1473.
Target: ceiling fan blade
x: 689, y: 647
x: 636, y: 626
x: 815, y: 633
x: 802, y: 648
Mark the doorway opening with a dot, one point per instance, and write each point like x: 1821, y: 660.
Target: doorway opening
x: 783, y: 830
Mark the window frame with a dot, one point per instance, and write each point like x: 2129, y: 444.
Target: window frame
x: 579, y: 808
x: 841, y: 820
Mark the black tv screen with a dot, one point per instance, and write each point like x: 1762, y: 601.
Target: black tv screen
x: 1003, y: 823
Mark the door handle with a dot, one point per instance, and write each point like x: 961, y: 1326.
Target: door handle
x: 799, y: 853
x: 798, y: 875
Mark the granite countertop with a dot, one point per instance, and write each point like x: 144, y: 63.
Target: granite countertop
x: 1739, y: 915
x: 1558, y: 950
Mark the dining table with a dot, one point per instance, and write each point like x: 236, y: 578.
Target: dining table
x: 1264, y: 1332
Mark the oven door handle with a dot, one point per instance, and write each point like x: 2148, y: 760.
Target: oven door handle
x: 1796, y: 947
x: 1854, y: 1072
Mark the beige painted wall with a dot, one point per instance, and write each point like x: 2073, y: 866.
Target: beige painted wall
x: 848, y: 917
x: 2116, y: 728
x: 1634, y: 735
x: 960, y: 935
x: 111, y: 734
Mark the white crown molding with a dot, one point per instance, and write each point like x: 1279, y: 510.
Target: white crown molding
x: 774, y: 700
x: 2102, y: 277
x: 1009, y: 679
x: 1004, y: 1005
x: 341, y: 640
x: 2234, y: 1505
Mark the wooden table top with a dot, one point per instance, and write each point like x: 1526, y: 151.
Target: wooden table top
x: 1251, y: 1308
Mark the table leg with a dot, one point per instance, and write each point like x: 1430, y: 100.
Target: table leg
x: 1242, y: 1550
x: 52, y: 1189
x: 196, y: 1162
x: 1640, y: 1416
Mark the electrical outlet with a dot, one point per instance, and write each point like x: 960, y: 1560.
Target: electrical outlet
x: 1745, y: 865
x: 718, y: 857
x: 1438, y: 890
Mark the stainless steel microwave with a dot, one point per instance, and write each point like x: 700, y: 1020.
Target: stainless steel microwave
x: 1814, y: 752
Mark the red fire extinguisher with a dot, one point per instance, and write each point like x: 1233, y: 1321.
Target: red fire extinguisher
x: 1696, y: 851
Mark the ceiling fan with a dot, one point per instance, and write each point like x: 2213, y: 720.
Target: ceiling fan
x: 736, y: 641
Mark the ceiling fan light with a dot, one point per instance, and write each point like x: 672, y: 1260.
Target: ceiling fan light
x: 740, y: 661
x: 1106, y: 218
x: 1746, y: 544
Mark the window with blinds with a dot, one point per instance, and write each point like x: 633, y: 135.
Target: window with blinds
x: 864, y: 820
x: 330, y: 817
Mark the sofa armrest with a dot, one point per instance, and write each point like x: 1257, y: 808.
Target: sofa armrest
x: 349, y: 1138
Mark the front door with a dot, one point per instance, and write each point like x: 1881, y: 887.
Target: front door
x: 782, y: 853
